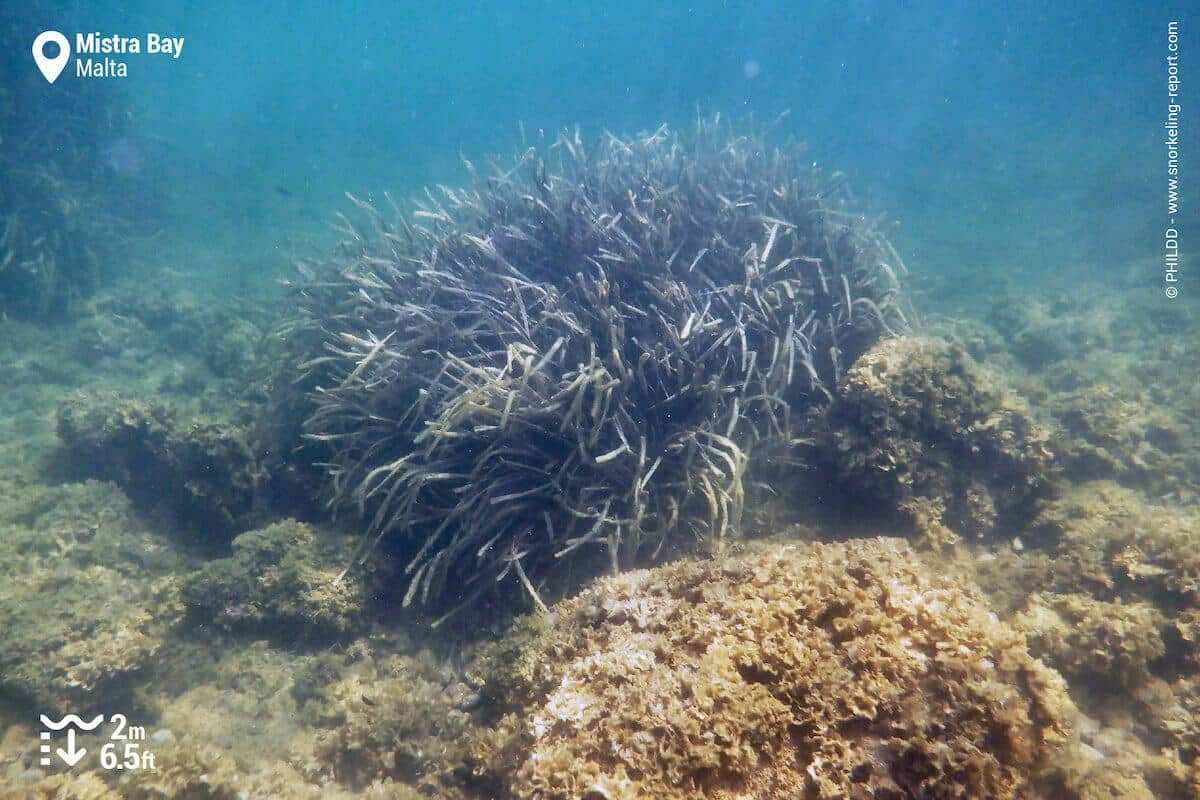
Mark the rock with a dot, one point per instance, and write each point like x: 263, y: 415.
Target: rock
x: 843, y: 671
x: 920, y: 428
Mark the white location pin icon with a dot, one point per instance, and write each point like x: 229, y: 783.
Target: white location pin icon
x: 51, y: 67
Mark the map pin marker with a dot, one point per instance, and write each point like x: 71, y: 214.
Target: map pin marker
x: 51, y: 67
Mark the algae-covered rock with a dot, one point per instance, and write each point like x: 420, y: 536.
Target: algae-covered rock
x: 202, y: 473
x: 1041, y: 332
x: 1108, y: 540
x: 390, y: 717
x: 1120, y: 621
x: 283, y: 580
x: 99, y: 336
x: 1102, y: 778
x: 918, y: 420
x: 842, y: 671
x: 252, y: 724
x: 230, y: 336
x: 1116, y: 372
x: 88, y: 601
x: 981, y: 341
x: 1110, y: 646
x: 67, y: 638
x: 1119, y: 431
x: 1168, y: 717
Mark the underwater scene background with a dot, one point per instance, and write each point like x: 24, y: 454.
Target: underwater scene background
x: 622, y: 400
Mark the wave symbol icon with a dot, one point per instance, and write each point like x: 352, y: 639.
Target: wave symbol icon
x: 72, y: 719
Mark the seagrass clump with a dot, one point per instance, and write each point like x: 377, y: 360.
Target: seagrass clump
x: 581, y: 353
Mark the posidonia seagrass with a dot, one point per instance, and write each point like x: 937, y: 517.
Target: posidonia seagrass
x: 584, y: 349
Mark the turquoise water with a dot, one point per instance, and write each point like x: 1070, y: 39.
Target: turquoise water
x: 1001, y: 138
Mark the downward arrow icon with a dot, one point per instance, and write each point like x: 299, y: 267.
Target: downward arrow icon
x: 71, y: 755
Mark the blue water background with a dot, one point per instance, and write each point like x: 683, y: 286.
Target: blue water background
x: 1015, y: 141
